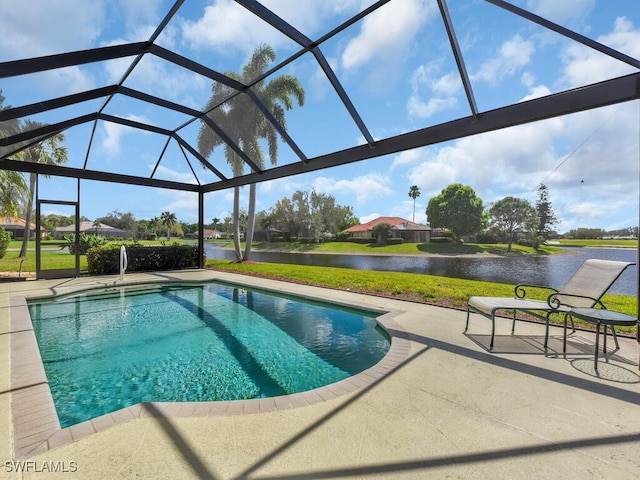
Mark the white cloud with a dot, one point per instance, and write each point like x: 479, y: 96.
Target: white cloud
x: 141, y: 12
x: 513, y: 55
x: 585, y: 65
x: 24, y: 34
x: 371, y: 216
x: 219, y: 26
x: 115, y: 131
x: 386, y: 33
x: 309, y: 17
x: 440, y: 91
x: 170, y: 174
x: 407, y: 157
x: 561, y: 11
x: 158, y: 77
x: 183, y: 204
x: 363, y: 188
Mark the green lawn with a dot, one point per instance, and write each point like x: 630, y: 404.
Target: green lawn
x: 50, y: 260
x: 599, y: 243
x: 443, y: 291
x: 402, y: 249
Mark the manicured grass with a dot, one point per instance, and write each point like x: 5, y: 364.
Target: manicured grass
x: 403, y: 249
x: 599, y: 243
x: 50, y: 260
x: 443, y: 291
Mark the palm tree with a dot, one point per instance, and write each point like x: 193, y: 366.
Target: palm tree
x: 414, y: 192
x: 13, y: 187
x: 154, y: 223
x: 50, y: 152
x: 243, y: 122
x: 168, y: 219
x: 216, y: 222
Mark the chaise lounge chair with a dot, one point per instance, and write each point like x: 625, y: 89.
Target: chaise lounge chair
x: 584, y: 289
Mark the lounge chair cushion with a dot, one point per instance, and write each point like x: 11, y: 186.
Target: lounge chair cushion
x: 490, y: 305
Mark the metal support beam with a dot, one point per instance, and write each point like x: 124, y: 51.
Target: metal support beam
x: 68, y: 172
x: 200, y: 229
x: 566, y: 32
x: 81, y: 57
x: 610, y: 92
x: 457, y: 53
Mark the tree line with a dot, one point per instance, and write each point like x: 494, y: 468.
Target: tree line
x: 510, y: 220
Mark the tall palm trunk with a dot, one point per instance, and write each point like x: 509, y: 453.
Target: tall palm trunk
x: 27, y: 215
x: 236, y: 223
x: 251, y: 216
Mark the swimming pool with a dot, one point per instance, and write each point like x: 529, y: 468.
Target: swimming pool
x: 106, y: 350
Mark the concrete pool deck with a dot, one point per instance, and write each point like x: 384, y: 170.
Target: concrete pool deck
x: 443, y: 407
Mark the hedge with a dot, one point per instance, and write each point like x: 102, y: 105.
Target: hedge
x: 106, y: 259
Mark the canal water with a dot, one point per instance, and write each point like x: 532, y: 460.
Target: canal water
x: 549, y: 270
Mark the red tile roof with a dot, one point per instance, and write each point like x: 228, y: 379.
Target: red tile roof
x: 13, y: 222
x: 393, y: 221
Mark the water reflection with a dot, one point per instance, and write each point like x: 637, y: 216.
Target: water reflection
x: 551, y: 270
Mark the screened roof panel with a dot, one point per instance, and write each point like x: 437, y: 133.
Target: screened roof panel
x: 379, y: 78
x: 127, y: 107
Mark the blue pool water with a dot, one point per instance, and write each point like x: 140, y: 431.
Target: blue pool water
x: 107, y: 350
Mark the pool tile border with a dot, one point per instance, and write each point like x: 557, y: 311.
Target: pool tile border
x: 36, y: 428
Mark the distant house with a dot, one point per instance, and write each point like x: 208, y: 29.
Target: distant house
x: 410, y: 232
x: 15, y: 226
x: 93, y: 229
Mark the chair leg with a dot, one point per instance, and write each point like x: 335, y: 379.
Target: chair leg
x: 615, y: 337
x: 466, y: 326
x: 564, y: 338
x: 493, y: 330
x: 595, y: 366
x: 546, y: 333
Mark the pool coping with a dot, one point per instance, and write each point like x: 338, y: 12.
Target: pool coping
x: 36, y: 427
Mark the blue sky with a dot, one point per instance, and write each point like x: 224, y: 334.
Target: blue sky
x: 396, y: 66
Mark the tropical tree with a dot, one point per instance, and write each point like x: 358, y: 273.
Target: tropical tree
x: 50, y: 152
x: 124, y: 221
x: 245, y: 125
x: 382, y: 232
x: 414, y: 192
x: 154, y: 224
x: 168, y: 219
x: 456, y: 208
x: 13, y: 186
x: 546, y: 215
x: 511, y: 215
x: 13, y: 190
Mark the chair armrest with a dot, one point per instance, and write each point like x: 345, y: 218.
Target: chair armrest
x: 554, y: 302
x: 520, y: 291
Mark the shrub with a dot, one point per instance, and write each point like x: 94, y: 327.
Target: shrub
x: 361, y: 240
x: 5, y: 238
x: 87, y: 241
x: 441, y: 240
x: 106, y: 259
x: 395, y: 241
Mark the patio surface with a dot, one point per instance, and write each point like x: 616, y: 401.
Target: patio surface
x: 440, y: 407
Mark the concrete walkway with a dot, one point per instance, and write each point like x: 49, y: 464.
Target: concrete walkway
x: 446, y: 409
